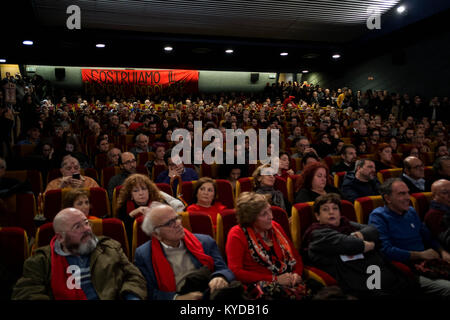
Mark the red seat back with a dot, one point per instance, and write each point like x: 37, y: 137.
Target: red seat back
x: 13, y: 250
x: 19, y: 210
x: 281, y: 217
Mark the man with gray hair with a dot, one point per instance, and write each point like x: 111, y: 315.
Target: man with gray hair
x: 71, y: 177
x: 404, y: 237
x: 79, y: 266
x: 141, y: 145
x: 174, y: 255
x: 413, y: 175
x: 361, y: 183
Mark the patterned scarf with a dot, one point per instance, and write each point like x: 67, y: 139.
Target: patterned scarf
x: 278, y: 261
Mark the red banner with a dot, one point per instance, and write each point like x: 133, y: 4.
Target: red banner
x: 120, y: 83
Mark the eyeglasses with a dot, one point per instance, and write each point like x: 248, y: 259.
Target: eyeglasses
x: 129, y: 162
x: 420, y: 166
x: 171, y: 223
x: 80, y: 225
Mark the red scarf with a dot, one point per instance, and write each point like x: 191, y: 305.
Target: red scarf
x: 59, y: 277
x: 162, y: 268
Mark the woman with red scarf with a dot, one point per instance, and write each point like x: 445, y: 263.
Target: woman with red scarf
x: 261, y: 255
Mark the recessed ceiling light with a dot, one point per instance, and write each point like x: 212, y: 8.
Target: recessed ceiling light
x: 336, y: 56
x: 305, y: 71
x: 100, y: 45
x: 2, y: 60
x: 28, y: 42
x: 168, y: 48
x: 229, y: 51
x: 401, y: 9
x: 284, y: 54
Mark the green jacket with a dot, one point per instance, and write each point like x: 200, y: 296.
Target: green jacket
x: 112, y: 274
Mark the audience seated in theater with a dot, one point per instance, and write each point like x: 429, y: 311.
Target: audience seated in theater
x: 361, y: 183
x: 78, y: 199
x: 261, y: 255
x: 441, y: 150
x: 413, y: 175
x: 112, y: 157
x: 102, y: 146
x: 160, y: 151
x: 393, y: 142
x: 437, y: 218
x: 72, y: 147
x: 177, y: 264
x: 127, y: 164
x: 137, y: 193
x: 283, y: 166
x: 303, y: 146
x: 384, y: 157
x: 406, y: 239
x: 345, y: 249
x: 71, y: 177
x: 176, y: 171
x: 264, y: 183
x: 106, y: 272
x: 141, y: 145
x: 313, y: 182
x: 205, y: 199
x: 232, y: 173
x: 348, y: 155
x: 361, y: 146
x: 441, y: 168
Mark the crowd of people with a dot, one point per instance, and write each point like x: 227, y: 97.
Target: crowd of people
x: 323, y: 133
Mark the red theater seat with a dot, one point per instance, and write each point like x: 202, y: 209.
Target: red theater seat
x: 365, y: 205
x: 13, y: 250
x: 34, y: 177
x: 98, y: 198
x: 19, y: 210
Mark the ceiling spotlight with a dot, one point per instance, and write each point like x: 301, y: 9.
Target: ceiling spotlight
x: 2, y: 60
x: 336, y: 56
x: 284, y: 54
x: 168, y: 48
x: 229, y: 51
x: 305, y: 71
x: 401, y: 9
x: 27, y: 42
x: 100, y: 45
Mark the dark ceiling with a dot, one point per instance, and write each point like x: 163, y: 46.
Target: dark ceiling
x: 135, y: 32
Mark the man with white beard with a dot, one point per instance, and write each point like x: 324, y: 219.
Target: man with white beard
x: 79, y: 266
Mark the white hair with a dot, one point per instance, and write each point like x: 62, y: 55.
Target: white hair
x: 147, y: 225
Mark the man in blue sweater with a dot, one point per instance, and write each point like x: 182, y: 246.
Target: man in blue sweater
x: 404, y: 237
x: 175, y: 171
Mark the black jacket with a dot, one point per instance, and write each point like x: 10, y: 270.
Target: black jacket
x: 352, y: 188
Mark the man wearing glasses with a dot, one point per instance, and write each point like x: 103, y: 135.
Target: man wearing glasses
x: 71, y: 177
x: 79, y: 266
x: 173, y: 254
x: 413, y: 175
x: 127, y: 162
x: 437, y: 218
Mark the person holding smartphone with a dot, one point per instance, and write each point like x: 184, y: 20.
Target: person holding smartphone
x: 71, y: 177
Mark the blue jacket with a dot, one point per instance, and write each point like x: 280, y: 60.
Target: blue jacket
x: 143, y: 260
x: 400, y: 234
x: 189, y: 174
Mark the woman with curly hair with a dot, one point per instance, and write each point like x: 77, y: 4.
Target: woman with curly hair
x: 313, y: 182
x: 137, y: 194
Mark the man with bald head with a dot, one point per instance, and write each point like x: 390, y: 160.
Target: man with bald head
x: 437, y: 218
x: 79, y: 266
x: 71, y: 177
x: 174, y: 254
x: 413, y: 175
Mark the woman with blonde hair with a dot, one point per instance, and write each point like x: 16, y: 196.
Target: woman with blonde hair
x: 261, y: 255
